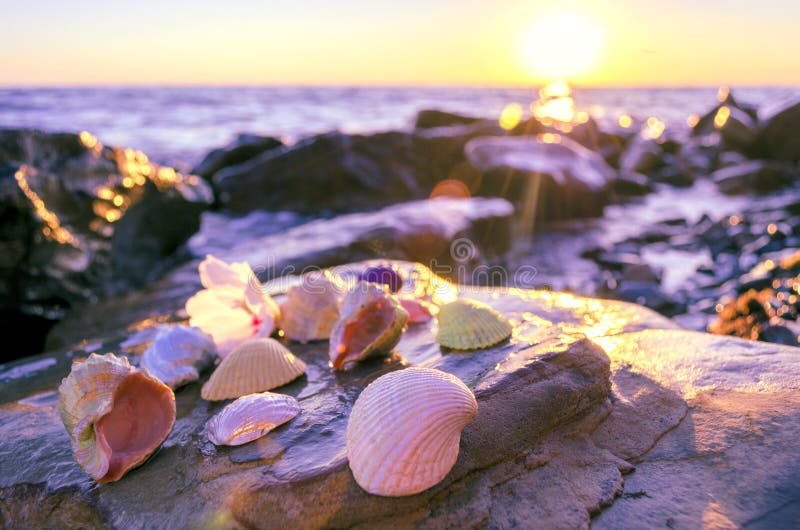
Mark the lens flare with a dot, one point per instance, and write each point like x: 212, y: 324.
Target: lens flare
x: 562, y: 46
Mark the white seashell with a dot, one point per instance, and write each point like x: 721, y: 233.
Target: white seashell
x: 178, y: 355
x: 233, y: 308
x: 312, y: 307
x: 404, y: 430
x: 370, y: 325
x: 116, y: 416
x: 251, y: 417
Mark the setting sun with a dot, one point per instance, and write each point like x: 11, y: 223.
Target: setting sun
x: 562, y: 46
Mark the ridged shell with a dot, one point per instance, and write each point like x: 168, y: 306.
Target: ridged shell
x: 178, y: 355
x: 255, y: 366
x: 404, y: 430
x: 312, y: 307
x: 116, y: 416
x: 251, y: 417
x: 370, y: 325
x: 468, y: 325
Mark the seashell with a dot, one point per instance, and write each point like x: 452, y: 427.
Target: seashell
x: 116, y: 416
x: 233, y: 307
x: 419, y: 311
x: 251, y: 417
x: 404, y: 430
x: 255, y: 366
x: 383, y: 274
x: 370, y: 325
x: 312, y: 307
x: 178, y: 355
x: 468, y: 324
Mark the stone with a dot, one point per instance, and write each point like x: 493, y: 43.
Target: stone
x: 451, y: 234
x: 431, y: 118
x: 557, y: 179
x: 631, y: 183
x: 337, y: 173
x: 759, y: 176
x: 242, y: 149
x: 82, y: 220
x: 778, y: 137
x: 641, y: 156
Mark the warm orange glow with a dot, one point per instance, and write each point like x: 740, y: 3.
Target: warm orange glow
x: 550, y: 138
x: 625, y: 121
x: 511, y: 116
x: 555, y: 104
x: 692, y: 120
x: 721, y: 117
x: 654, y: 128
x: 53, y: 231
x: 450, y: 188
x: 562, y: 45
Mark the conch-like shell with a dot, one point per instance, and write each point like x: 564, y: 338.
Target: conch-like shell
x: 404, y: 430
x: 312, y: 307
x: 251, y: 417
x: 255, y: 366
x: 178, y: 355
x: 419, y: 311
x: 370, y: 325
x: 468, y: 324
x: 116, y: 416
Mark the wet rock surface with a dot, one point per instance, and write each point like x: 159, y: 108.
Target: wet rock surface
x: 606, y: 410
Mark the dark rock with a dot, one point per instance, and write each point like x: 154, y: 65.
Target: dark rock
x: 641, y: 272
x: 779, y: 138
x: 81, y: 220
x: 340, y: 173
x: 609, y: 145
x: 738, y: 131
x: 708, y: 123
x: 431, y: 118
x: 649, y: 295
x: 642, y: 156
x: 760, y: 176
x: 631, y: 183
x: 552, y: 180
x: 528, y: 127
x: 779, y: 335
x: 242, y: 149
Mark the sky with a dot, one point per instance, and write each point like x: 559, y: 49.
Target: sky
x: 410, y: 42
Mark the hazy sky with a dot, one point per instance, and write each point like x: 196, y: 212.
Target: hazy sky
x: 406, y: 42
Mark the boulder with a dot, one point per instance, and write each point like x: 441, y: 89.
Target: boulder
x: 585, y: 392
x: 452, y: 235
x: 82, y: 220
x: 554, y: 177
x: 779, y: 138
x: 631, y: 183
x: 759, y: 176
x: 337, y: 172
x: 242, y: 149
x: 642, y: 156
x: 431, y: 118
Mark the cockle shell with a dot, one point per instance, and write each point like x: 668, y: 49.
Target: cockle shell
x: 468, y: 324
x: 312, y: 307
x: 419, y: 311
x: 251, y: 417
x: 404, y: 430
x: 370, y: 324
x: 116, y: 416
x: 255, y: 366
x: 178, y: 354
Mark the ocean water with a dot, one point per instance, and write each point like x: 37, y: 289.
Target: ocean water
x: 178, y: 125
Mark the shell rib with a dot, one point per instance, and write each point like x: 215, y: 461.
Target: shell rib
x: 468, y: 324
x: 370, y: 325
x: 404, y: 431
x: 251, y: 417
x: 178, y: 355
x: 312, y: 307
x: 255, y: 366
x: 116, y: 416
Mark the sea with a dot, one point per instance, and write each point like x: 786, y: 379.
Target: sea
x: 178, y: 125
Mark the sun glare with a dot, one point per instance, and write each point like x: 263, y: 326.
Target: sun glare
x: 562, y: 46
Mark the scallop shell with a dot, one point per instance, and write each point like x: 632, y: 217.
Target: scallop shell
x: 116, y: 416
x: 404, y: 430
x: 178, y: 355
x: 312, y: 307
x: 468, y: 324
x: 370, y: 325
x: 255, y: 366
x: 251, y: 417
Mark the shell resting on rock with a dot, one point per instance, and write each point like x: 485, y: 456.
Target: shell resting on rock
x: 312, y: 307
x: 404, y: 430
x: 255, y: 366
x: 116, y: 416
x: 251, y: 417
x: 178, y: 354
x: 468, y: 325
x: 370, y: 324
